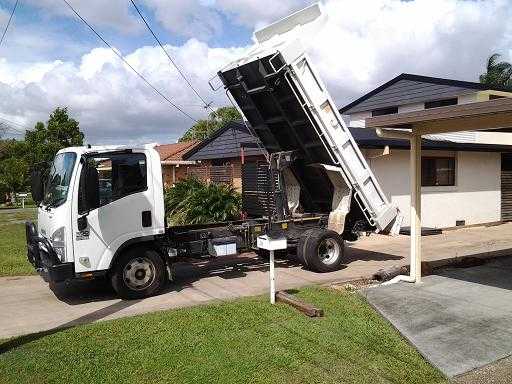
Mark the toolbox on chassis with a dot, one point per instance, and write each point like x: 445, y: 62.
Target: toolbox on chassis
x: 101, y: 212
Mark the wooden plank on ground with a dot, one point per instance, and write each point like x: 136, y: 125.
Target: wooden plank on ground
x: 305, y: 308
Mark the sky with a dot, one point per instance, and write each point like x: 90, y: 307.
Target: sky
x: 49, y: 58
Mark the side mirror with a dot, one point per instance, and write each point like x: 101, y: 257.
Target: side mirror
x: 36, y: 186
x: 82, y: 223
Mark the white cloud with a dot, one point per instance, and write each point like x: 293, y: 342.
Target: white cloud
x: 203, y: 19
x: 367, y: 42
x: 110, y: 101
x: 190, y: 18
x: 364, y: 43
x: 256, y: 13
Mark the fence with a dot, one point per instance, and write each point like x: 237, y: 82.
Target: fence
x: 212, y: 173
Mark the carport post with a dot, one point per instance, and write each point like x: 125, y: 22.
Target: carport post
x: 415, y: 206
x: 415, y: 174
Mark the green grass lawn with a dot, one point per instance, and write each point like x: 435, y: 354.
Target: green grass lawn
x: 244, y: 341
x: 13, y: 250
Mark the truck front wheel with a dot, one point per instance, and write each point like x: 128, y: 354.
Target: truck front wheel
x: 138, y: 273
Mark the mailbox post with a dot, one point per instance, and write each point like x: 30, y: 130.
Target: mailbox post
x: 23, y: 197
x: 272, y: 244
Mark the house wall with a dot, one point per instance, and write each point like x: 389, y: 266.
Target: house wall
x: 183, y: 171
x: 476, y: 197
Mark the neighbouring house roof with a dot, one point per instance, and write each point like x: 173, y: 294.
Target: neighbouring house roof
x: 226, y: 143
x: 408, y: 89
x: 175, y: 152
x: 367, y: 138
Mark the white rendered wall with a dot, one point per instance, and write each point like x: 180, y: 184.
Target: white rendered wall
x: 357, y: 120
x: 501, y: 138
x: 411, y: 107
x: 476, y: 197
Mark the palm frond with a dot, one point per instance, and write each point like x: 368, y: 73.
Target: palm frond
x: 192, y: 201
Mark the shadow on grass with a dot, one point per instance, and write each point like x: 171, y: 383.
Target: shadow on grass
x: 86, y: 319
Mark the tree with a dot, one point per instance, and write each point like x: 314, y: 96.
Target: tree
x: 206, y: 127
x: 13, y: 168
x: 498, y: 74
x: 13, y: 176
x: 43, y: 142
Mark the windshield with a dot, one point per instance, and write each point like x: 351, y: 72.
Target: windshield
x: 56, y: 190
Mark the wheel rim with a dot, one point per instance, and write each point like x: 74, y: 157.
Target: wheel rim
x: 329, y: 251
x: 139, y: 273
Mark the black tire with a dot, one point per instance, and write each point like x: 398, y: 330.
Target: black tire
x: 138, y: 273
x: 300, y: 246
x: 323, y: 250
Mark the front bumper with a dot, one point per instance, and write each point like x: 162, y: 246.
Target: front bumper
x: 42, y: 256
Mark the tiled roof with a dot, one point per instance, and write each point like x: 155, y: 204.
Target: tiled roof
x: 175, y: 151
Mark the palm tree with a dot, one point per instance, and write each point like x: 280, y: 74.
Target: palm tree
x: 499, y: 73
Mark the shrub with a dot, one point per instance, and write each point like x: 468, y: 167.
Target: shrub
x: 192, y: 201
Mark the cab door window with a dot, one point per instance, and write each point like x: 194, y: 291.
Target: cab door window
x: 119, y: 175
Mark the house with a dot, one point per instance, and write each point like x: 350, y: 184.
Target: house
x: 408, y: 93
x: 465, y: 175
x: 221, y: 155
x: 174, y: 166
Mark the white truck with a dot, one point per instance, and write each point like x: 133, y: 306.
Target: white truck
x: 101, y: 210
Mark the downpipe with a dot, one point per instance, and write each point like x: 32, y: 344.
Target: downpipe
x: 399, y: 278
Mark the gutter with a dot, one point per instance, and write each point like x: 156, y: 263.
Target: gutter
x: 393, y: 134
x: 178, y: 162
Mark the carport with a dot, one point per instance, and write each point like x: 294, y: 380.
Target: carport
x: 486, y: 115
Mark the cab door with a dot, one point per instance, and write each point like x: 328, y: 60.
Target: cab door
x: 123, y: 209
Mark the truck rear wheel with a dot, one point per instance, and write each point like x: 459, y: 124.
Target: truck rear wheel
x: 322, y: 250
x: 300, y: 246
x: 138, y: 273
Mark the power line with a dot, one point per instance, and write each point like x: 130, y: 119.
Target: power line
x: 8, y: 22
x: 206, y: 105
x: 7, y: 130
x: 24, y: 128
x: 127, y: 63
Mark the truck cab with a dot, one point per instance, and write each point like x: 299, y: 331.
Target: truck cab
x: 98, y: 204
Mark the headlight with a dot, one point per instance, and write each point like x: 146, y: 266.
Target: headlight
x: 59, y: 243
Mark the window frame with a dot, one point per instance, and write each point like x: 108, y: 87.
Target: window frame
x: 393, y: 110
x: 451, y: 158
x: 441, y: 102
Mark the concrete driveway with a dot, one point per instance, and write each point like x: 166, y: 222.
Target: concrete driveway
x: 28, y: 305
x: 459, y: 319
